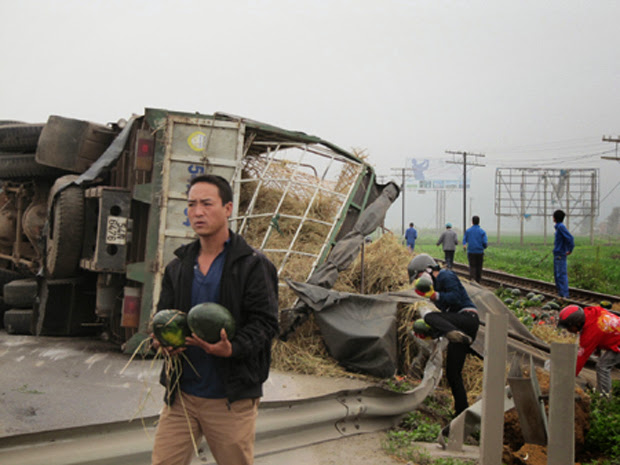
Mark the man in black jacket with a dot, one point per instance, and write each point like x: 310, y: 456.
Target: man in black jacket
x: 220, y: 384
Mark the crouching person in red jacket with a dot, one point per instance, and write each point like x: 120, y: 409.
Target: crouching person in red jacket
x: 598, y: 330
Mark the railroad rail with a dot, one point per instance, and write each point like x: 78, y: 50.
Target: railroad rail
x: 494, y: 279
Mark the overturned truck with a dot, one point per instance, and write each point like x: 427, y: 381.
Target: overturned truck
x: 90, y: 214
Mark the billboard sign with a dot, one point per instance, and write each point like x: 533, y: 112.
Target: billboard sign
x: 430, y: 174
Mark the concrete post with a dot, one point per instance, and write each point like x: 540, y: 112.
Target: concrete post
x: 494, y: 380
x: 561, y: 449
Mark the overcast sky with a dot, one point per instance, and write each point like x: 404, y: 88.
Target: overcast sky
x: 527, y: 83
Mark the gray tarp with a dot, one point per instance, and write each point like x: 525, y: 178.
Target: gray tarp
x: 341, y: 256
x: 347, y: 248
x: 360, y: 330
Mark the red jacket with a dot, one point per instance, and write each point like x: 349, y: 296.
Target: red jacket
x: 600, y: 331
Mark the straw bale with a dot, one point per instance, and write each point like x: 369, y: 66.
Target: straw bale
x: 549, y: 334
x: 385, y: 268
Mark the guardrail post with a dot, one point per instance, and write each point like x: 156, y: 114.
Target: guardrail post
x: 561, y: 448
x: 494, y: 380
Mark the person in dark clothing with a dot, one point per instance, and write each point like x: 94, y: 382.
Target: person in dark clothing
x: 457, y: 319
x: 220, y: 384
x: 562, y: 247
x: 448, y: 240
x: 474, y: 243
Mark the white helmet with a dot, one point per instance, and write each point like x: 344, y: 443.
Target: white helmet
x: 420, y: 263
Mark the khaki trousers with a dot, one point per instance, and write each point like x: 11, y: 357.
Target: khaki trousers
x: 229, y: 430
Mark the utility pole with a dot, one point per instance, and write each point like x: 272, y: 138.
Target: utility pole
x: 464, y: 163
x: 403, y: 189
x: 617, y: 141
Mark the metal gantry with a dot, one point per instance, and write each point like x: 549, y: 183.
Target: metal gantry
x: 537, y: 192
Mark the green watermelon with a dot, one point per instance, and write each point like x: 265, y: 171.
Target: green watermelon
x: 422, y: 328
x: 208, y: 319
x: 170, y: 328
x: 424, y: 283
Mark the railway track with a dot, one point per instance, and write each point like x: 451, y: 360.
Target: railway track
x: 494, y: 279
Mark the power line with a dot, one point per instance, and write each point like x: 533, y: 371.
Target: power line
x: 403, y: 189
x: 464, y: 163
x: 564, y: 145
x: 553, y: 160
x: 610, y: 192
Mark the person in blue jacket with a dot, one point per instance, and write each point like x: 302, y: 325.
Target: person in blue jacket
x: 562, y: 248
x: 457, y: 319
x: 410, y: 236
x: 474, y: 243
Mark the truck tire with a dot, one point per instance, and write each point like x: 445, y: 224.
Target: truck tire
x: 6, y: 276
x: 65, y: 233
x: 23, y: 165
x: 3, y: 308
x: 20, y: 293
x: 18, y: 137
x: 18, y: 321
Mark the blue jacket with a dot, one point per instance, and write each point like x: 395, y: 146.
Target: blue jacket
x: 411, y: 235
x: 564, y: 242
x: 476, y: 239
x: 452, y: 295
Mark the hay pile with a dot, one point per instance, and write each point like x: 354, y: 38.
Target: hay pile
x: 287, y: 211
x: 385, y: 269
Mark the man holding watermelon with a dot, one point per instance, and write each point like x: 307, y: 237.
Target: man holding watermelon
x: 217, y: 388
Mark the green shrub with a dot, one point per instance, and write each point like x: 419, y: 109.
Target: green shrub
x: 604, y: 433
x: 399, y: 444
x: 419, y: 429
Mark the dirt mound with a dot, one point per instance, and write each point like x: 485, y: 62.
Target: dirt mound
x: 517, y: 452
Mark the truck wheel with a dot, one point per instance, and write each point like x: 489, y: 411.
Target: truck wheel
x: 20, y: 293
x: 20, y: 137
x: 23, y: 165
x: 6, y: 276
x: 18, y: 321
x: 3, y: 308
x: 65, y: 232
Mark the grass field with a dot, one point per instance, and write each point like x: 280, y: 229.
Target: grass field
x: 593, y: 267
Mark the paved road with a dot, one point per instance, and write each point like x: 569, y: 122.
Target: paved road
x: 56, y: 383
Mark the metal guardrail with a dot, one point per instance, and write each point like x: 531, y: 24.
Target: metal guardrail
x: 281, y: 425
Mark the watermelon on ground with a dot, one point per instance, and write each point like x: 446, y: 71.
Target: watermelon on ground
x: 207, y: 319
x: 170, y: 328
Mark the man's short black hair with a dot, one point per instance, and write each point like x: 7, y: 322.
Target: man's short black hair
x: 475, y: 219
x: 559, y: 216
x: 221, y: 183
